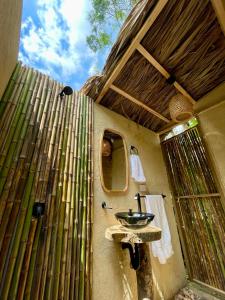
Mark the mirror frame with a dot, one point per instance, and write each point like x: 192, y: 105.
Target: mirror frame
x: 126, y: 162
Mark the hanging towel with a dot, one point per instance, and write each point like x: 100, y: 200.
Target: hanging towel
x: 162, y: 248
x: 137, y: 172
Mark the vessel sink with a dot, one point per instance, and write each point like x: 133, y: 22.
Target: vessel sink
x: 134, y: 219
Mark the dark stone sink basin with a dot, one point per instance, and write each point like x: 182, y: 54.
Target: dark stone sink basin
x: 134, y: 219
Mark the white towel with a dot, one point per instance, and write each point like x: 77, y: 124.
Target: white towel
x: 137, y: 172
x: 163, y: 248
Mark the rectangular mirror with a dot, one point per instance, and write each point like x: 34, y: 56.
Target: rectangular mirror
x: 113, y: 162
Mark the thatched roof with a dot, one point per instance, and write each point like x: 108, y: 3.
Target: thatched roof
x: 177, y: 39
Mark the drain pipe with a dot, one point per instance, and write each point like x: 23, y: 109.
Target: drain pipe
x: 134, y: 254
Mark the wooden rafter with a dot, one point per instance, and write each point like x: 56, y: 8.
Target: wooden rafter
x: 138, y: 102
x: 167, y: 127
x: 160, y: 68
x: 219, y: 8
x: 148, y: 23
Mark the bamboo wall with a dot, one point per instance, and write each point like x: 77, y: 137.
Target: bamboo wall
x: 45, y: 156
x: 199, y: 210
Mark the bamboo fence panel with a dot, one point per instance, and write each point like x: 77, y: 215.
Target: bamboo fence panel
x: 45, y: 156
x: 199, y: 209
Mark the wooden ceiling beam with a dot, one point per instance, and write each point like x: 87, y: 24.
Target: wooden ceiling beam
x: 138, y: 102
x: 219, y: 8
x: 163, y: 71
x: 168, y: 127
x: 148, y: 23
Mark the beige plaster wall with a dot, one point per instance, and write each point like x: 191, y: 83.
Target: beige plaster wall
x: 212, y: 122
x: 112, y: 277
x: 10, y: 18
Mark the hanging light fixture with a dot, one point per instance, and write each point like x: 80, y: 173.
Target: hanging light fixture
x: 180, y: 108
x: 106, y: 147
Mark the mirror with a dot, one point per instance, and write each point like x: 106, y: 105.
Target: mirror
x: 113, y: 161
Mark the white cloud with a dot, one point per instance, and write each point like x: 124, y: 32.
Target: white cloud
x: 93, y: 69
x: 56, y: 43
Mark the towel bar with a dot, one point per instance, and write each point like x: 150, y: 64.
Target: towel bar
x: 164, y: 196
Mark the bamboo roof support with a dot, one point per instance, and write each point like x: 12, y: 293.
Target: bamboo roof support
x: 148, y: 23
x: 138, y: 102
x: 219, y: 8
x: 166, y: 74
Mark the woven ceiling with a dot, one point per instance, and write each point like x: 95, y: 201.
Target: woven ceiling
x: 177, y: 39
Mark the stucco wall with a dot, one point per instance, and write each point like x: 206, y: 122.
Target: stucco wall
x: 10, y: 18
x: 112, y: 277
x: 212, y: 123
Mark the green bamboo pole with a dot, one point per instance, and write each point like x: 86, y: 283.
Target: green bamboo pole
x: 39, y: 178
x: 62, y: 206
x: 79, y: 196
x: 45, y: 175
x: 206, y: 267
x: 191, y: 173
x: 40, y: 291
x: 199, y: 211
x: 203, y: 207
x: 67, y: 199
x: 27, y: 293
x: 5, y: 250
x: 13, y: 254
x: 11, y: 116
x: 54, y: 181
x: 81, y: 208
x: 72, y: 171
x: 27, y: 259
x: 34, y: 195
x: 57, y: 192
x: 5, y: 129
x: 14, y: 182
x: 88, y: 268
x: 56, y: 198
x: 11, y: 104
x: 212, y: 238
x: 62, y: 264
x: 25, y: 210
x: 82, y: 257
x: 14, y: 132
x: 19, y: 168
x: 192, y: 245
x: 45, y: 107
x: 50, y: 199
x: 8, y: 194
x: 92, y: 197
x: 76, y: 202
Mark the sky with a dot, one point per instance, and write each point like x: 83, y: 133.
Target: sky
x: 53, y: 40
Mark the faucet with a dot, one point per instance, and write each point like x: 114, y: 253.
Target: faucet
x: 138, y: 198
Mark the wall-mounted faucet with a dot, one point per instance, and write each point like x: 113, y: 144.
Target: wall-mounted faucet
x: 104, y: 205
x: 138, y: 198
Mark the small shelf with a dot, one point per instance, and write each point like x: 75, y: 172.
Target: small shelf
x: 121, y: 234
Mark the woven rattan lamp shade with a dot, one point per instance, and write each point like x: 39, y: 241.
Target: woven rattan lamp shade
x: 180, y: 108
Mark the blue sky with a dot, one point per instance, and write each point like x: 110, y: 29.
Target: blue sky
x: 53, y: 40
